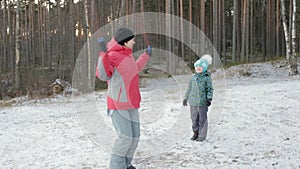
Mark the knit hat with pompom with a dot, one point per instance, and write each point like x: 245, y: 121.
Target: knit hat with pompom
x: 123, y: 35
x: 203, y: 62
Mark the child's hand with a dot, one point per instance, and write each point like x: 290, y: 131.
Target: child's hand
x: 208, y: 102
x: 184, y: 102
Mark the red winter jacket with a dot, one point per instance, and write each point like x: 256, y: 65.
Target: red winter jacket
x: 118, y: 67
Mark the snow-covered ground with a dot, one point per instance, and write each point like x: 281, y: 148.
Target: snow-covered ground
x: 254, y: 123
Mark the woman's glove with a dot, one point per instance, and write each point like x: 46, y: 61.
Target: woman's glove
x: 102, y: 44
x: 149, y: 50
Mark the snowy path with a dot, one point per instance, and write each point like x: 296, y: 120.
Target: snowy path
x: 259, y: 128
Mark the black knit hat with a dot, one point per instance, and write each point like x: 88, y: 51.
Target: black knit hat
x: 123, y: 35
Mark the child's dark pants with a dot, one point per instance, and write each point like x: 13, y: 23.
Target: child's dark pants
x: 199, y: 120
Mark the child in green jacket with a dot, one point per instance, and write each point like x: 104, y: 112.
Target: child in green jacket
x: 199, y: 94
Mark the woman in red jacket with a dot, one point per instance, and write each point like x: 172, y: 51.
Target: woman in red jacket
x: 117, y: 66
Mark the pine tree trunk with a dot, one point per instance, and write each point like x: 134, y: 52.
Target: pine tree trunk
x: 87, y: 41
x: 122, y: 8
x: 49, y: 52
x: 211, y: 21
x: 247, y: 38
x: 168, y: 31
x: 224, y: 32
x: 4, y: 39
x: 293, y: 59
x: 278, y: 30
x: 32, y: 33
x: 182, y: 30
x: 72, y: 36
x: 243, y: 31
x: 238, y: 33
x: 251, y: 27
x: 263, y: 30
x: 190, y: 29
x: 141, y: 23
x: 215, y: 27
x: 218, y: 29
x: 10, y: 52
x: 234, y: 30
x: 272, y: 41
x: 173, y: 61
x: 202, y: 26
x: 18, y: 57
x: 285, y: 28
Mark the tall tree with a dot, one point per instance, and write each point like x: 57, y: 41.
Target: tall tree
x: 4, y: 39
x: 48, y: 38
x: 71, y: 35
x: 11, y: 31
x: 251, y: 27
x: 293, y: 58
x: 18, y: 56
x: 290, y: 49
x: 190, y: 27
x: 181, y: 29
x: 234, y: 29
x: 247, y: 36
x: 31, y: 43
x: 278, y: 29
x: 122, y: 8
x: 263, y: 30
x: 202, y: 25
x: 244, y: 29
x: 270, y: 29
x: 216, y: 28
x: 223, y: 28
x: 168, y: 31
x: 87, y: 40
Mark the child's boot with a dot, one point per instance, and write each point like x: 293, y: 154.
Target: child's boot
x: 195, y: 136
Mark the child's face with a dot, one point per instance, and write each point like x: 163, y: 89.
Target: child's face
x: 199, y: 69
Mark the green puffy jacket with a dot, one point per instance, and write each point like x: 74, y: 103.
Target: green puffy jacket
x: 199, y: 90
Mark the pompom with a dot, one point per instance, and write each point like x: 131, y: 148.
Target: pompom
x: 208, y: 58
